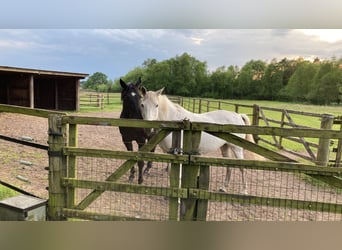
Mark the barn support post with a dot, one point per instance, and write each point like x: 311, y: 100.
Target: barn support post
x: 191, y: 140
x: 77, y: 99
x: 57, y: 167
x: 31, y: 91
x: 323, y: 144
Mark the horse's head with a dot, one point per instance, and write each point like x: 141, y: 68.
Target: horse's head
x: 130, y: 96
x: 150, y: 104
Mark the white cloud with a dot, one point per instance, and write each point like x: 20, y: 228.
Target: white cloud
x: 327, y: 35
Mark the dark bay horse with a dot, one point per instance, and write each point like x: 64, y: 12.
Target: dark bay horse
x: 130, y: 96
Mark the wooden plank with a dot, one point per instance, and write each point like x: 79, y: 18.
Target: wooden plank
x: 189, y: 176
x: 72, y: 164
x: 85, y: 215
x: 136, y: 155
x: 266, y: 201
x: 125, y: 188
x: 302, y: 140
x: 203, y: 184
x: 175, y: 175
x: 267, y: 123
x: 28, y: 111
x: 324, y: 143
x: 339, y: 151
x: 133, y: 123
x: 264, y: 130
x: 57, y: 168
x: 267, y: 165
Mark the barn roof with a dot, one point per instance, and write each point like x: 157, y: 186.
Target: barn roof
x: 6, y: 69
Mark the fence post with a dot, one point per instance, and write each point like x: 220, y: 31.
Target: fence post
x: 191, y: 140
x: 175, y: 175
x: 323, y: 144
x: 255, y: 120
x: 72, y: 164
x: 57, y: 167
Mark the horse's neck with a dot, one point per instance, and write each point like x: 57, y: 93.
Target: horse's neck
x: 171, y: 111
x: 130, y: 112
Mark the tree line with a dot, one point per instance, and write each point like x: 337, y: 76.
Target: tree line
x: 295, y: 80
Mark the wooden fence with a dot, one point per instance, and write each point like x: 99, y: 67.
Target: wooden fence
x: 260, y: 115
x: 305, y: 148
x: 92, y: 100
x: 88, y: 183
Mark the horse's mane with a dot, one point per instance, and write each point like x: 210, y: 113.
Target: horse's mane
x: 166, y: 103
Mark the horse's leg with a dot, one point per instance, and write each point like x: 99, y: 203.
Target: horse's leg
x: 238, y: 151
x: 129, y: 147
x: 149, y: 134
x: 225, y: 150
x: 149, y: 165
x: 140, y: 167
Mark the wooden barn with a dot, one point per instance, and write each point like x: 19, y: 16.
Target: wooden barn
x: 44, y: 89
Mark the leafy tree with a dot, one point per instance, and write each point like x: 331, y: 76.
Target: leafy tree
x: 222, y: 82
x: 327, y: 83
x: 273, y: 81
x: 250, y: 81
x: 301, y: 81
x: 95, y: 81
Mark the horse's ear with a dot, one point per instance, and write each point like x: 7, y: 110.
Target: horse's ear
x: 159, y: 92
x: 123, y: 84
x: 143, y: 90
x: 138, y: 82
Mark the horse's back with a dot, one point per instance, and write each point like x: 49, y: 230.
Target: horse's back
x: 221, y: 117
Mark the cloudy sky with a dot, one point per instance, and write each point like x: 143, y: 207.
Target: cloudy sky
x: 115, y: 52
x: 114, y: 37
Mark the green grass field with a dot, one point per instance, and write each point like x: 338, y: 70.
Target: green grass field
x: 6, y: 192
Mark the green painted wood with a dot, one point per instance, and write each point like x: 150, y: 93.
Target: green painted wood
x: 203, y: 184
x: 335, y: 181
x: 191, y: 141
x: 175, y: 175
x: 265, y: 201
x: 134, y: 123
x: 136, y: 155
x: 324, y: 143
x: 28, y: 111
x: 267, y: 165
x: 72, y: 164
x: 57, y: 167
x: 85, y: 215
x: 262, y: 130
x: 125, y: 188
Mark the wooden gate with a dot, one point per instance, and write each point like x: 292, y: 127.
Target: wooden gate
x: 78, y: 189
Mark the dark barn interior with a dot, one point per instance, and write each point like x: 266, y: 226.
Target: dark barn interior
x: 42, y: 89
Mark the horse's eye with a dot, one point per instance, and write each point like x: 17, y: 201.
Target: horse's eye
x: 142, y: 105
x: 156, y: 105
